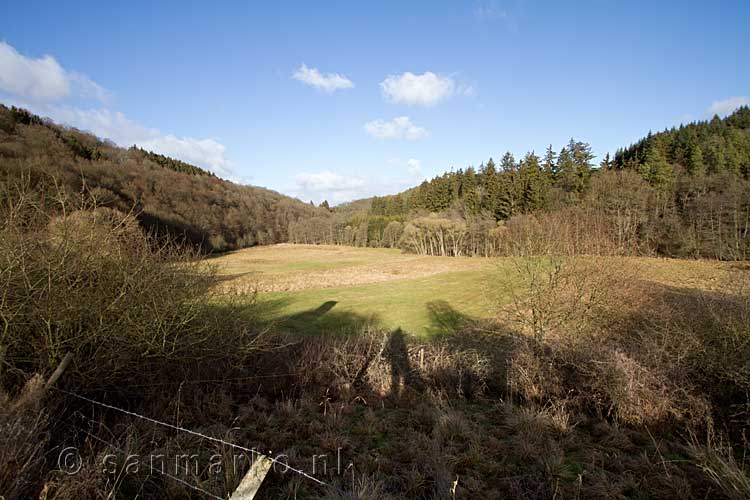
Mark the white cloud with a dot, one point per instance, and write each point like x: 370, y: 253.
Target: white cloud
x: 504, y: 13
x: 89, y: 89
x: 467, y: 90
x: 726, y: 106
x: 206, y: 153
x: 327, y: 185
x: 414, y: 166
x: 40, y: 79
x: 327, y: 181
x: 46, y: 88
x: 427, y: 89
x: 43, y: 79
x: 338, y: 188
x: 398, y: 128
x: 329, y: 82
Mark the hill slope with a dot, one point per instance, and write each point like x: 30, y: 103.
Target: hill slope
x: 170, y: 197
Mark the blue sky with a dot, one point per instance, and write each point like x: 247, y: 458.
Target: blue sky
x: 390, y: 92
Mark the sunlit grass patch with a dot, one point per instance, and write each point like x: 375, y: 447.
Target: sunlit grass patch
x: 324, y: 288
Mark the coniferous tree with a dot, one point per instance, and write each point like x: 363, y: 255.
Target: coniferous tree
x: 714, y: 155
x: 549, y: 163
x: 534, y: 184
x: 695, y: 164
x: 582, y: 159
x: 470, y: 192
x: 509, y: 189
x: 656, y: 170
x: 490, y: 188
x: 566, y: 178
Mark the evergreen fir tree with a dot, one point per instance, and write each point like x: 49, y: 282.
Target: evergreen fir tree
x: 470, y: 192
x: 491, y: 187
x: 509, y: 189
x: 534, y: 184
x: 566, y: 171
x: 582, y: 159
x: 696, y: 165
x: 549, y: 163
x: 656, y: 170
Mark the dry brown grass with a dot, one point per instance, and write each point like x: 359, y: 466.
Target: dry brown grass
x: 719, y: 462
x: 292, y: 268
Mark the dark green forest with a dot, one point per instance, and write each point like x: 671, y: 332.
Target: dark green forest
x: 170, y: 198
x: 683, y: 192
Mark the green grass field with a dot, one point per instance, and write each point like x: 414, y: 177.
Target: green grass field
x: 330, y: 288
x: 433, y: 305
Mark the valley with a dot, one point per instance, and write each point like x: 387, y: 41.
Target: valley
x: 322, y: 288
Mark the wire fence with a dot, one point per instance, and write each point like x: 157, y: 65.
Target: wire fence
x: 150, y: 467
x: 253, y: 452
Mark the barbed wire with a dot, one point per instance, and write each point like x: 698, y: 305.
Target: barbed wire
x: 229, y: 380
x: 166, y: 474
x: 253, y: 452
x: 198, y: 434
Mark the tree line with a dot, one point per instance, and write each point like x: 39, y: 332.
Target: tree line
x: 683, y: 192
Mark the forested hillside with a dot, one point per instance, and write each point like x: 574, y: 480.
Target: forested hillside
x: 682, y: 192
x: 169, y: 197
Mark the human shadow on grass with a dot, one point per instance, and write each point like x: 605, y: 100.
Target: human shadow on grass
x: 324, y: 320
x: 402, y: 373
x: 314, y: 314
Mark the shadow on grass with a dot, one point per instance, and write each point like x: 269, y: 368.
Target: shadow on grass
x: 221, y: 278
x: 323, y: 320
x: 446, y: 320
x: 397, y: 355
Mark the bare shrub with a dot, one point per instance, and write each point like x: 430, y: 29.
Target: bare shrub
x: 92, y: 283
x: 701, y: 339
x: 561, y: 294
x: 569, y: 231
x: 586, y: 346
x: 532, y: 375
x: 617, y: 386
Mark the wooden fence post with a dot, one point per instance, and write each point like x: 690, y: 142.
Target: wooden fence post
x: 250, y: 484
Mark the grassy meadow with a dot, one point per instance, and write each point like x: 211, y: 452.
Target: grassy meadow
x: 326, y: 288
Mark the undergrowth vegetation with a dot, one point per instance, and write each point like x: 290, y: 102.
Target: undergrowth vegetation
x: 589, y: 384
